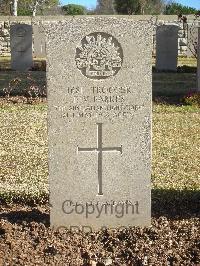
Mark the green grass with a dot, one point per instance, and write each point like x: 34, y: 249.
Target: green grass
x: 23, y: 150
x: 188, y: 61
x: 5, y: 62
x: 176, y: 147
x: 171, y: 85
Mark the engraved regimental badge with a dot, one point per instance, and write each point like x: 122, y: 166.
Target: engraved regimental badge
x: 100, y: 56
x: 21, y: 31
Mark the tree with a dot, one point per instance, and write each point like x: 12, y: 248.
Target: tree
x: 35, y: 4
x: 176, y: 9
x: 139, y: 6
x: 33, y: 7
x: 127, y: 6
x: 8, y: 7
x: 105, y: 7
x: 24, y: 11
x: 5, y: 7
x: 155, y: 7
x: 39, y: 4
x: 73, y: 9
x: 15, y: 7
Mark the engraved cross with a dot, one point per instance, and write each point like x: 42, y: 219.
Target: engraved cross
x: 100, y: 149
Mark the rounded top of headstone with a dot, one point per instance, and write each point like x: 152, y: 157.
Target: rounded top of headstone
x: 99, y: 56
x: 21, y: 31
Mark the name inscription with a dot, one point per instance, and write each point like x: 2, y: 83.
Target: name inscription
x: 99, y: 102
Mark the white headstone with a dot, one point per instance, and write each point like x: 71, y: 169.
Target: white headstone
x: 99, y: 97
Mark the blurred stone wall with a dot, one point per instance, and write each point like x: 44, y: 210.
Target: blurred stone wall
x: 5, y: 23
x: 4, y: 38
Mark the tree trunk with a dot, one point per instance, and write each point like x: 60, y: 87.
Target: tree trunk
x: 35, y: 9
x: 34, y: 12
x: 15, y: 7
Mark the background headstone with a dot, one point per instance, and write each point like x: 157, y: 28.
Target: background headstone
x: 21, y: 47
x: 99, y: 97
x: 167, y: 47
x: 192, y: 39
x: 39, y: 41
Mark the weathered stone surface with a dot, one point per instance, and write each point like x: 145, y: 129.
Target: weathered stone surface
x: 21, y: 47
x: 166, y: 19
x: 198, y: 60
x: 192, y: 37
x: 39, y: 41
x: 167, y: 47
x: 99, y: 96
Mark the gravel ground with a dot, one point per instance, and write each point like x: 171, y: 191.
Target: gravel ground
x: 27, y: 239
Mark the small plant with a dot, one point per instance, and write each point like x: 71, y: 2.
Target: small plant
x: 13, y: 84
x: 33, y: 90
x: 192, y: 98
x: 24, y: 90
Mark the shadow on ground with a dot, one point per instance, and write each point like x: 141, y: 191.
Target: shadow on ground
x: 172, y: 204
x: 167, y: 88
x: 20, y: 216
x: 170, y: 88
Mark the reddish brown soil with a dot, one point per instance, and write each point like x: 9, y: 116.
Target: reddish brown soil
x: 26, y: 239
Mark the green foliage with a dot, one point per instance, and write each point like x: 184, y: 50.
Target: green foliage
x: 176, y: 9
x: 24, y: 6
x: 49, y: 4
x: 73, y: 9
x: 24, y: 12
x: 193, y: 98
x: 139, y: 6
x: 127, y: 6
x: 154, y: 7
x: 5, y: 8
